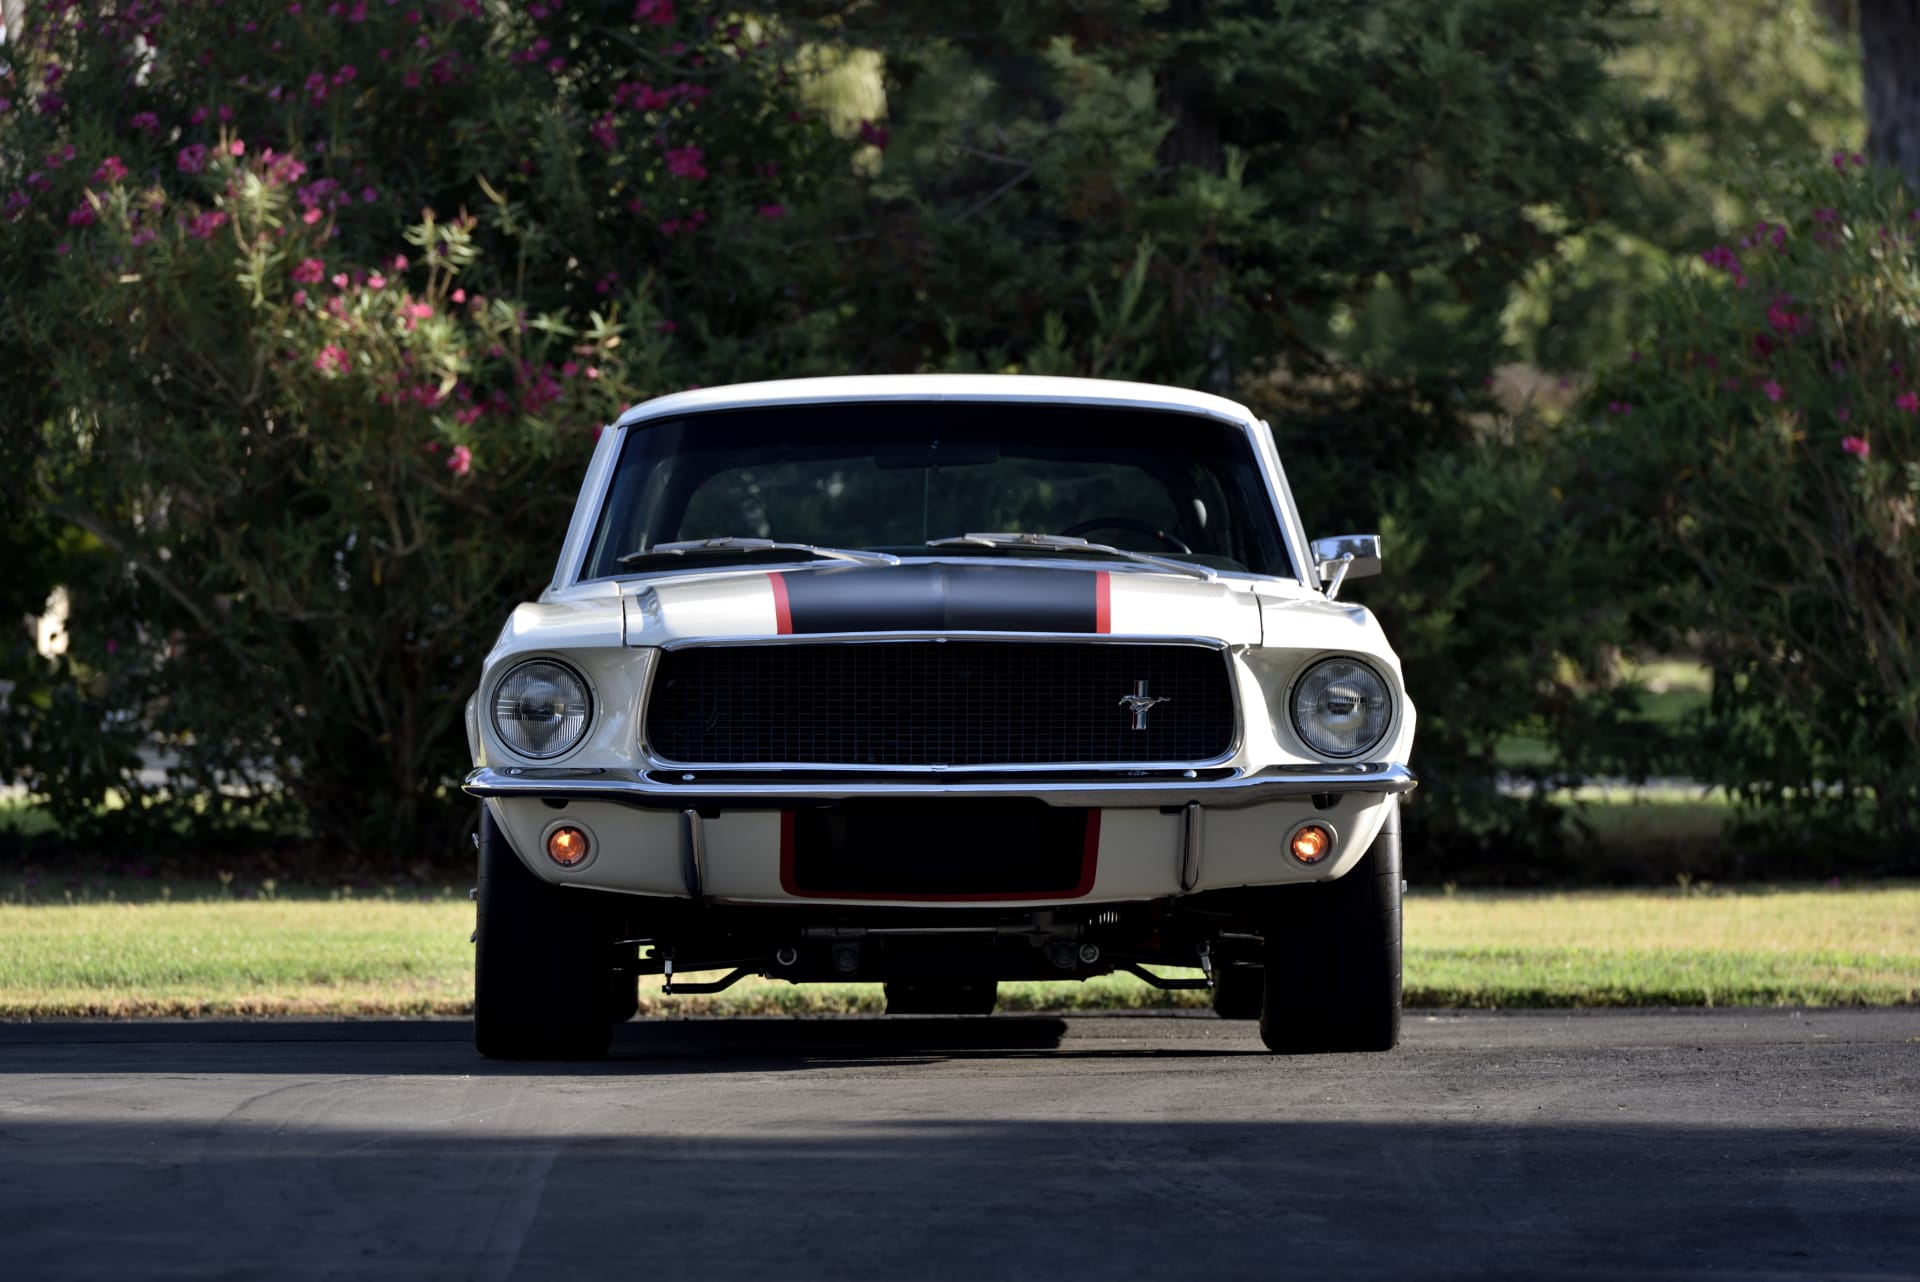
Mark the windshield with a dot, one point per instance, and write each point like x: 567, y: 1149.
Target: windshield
x: 890, y: 477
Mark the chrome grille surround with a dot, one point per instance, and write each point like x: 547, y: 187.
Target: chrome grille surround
x: 913, y: 701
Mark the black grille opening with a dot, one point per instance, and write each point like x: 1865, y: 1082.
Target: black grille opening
x: 949, y: 703
x: 973, y: 850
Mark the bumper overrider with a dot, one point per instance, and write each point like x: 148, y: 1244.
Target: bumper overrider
x: 936, y: 836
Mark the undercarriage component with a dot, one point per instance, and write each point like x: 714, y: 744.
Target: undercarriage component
x: 941, y: 997
x: 1160, y: 981
x: 714, y: 986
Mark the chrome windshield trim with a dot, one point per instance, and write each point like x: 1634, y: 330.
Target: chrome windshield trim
x: 634, y: 788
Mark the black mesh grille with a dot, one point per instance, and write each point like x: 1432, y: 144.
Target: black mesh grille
x: 956, y: 703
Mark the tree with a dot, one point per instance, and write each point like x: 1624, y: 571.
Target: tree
x: 1890, y: 59
x: 309, y: 314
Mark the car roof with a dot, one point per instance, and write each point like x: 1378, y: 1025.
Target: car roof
x: 1016, y: 388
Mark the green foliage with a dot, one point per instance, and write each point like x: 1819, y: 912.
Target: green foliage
x: 1766, y: 429
x: 310, y: 317
x: 1510, y: 592
x: 1749, y: 82
x: 1245, y: 185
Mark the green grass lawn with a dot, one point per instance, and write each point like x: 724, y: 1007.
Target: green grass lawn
x: 124, y: 949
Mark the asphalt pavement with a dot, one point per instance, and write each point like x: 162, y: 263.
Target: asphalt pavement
x: 1677, y: 1144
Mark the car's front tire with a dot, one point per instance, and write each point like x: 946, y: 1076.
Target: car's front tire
x: 541, y: 962
x: 1238, y: 992
x: 1336, y: 947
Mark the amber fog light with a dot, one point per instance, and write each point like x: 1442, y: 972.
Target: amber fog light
x: 567, y: 846
x: 1310, y: 843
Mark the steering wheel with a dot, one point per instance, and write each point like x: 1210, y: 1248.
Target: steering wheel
x: 1134, y: 523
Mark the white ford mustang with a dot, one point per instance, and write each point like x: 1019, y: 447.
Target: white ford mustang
x: 935, y: 681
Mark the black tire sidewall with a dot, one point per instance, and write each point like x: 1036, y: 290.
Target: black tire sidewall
x: 541, y: 961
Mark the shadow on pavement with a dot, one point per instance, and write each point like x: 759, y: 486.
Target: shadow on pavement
x: 493, y: 1184
x: 404, y: 1047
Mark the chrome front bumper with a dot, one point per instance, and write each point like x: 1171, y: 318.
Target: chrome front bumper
x: 761, y: 789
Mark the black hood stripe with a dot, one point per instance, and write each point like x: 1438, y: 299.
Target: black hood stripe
x: 942, y: 598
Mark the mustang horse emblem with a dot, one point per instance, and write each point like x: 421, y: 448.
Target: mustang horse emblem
x: 1139, y: 703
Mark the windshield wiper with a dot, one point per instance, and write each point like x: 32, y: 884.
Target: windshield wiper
x: 1017, y: 542
x: 730, y: 544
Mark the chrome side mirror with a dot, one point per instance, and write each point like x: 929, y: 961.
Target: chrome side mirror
x: 1345, y: 556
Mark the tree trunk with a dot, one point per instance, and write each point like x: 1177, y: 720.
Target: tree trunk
x: 1890, y: 62
x: 1194, y: 141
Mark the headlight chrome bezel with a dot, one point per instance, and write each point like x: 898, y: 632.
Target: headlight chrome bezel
x: 1387, y: 723
x: 588, y: 702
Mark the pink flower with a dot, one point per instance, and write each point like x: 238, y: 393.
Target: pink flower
x: 191, y: 160
x: 418, y: 311
x: 110, y: 171
x: 376, y: 281
x: 145, y: 122
x: 81, y: 215
x: 657, y: 12
x: 773, y: 211
x: 310, y: 271
x: 603, y: 132
x: 344, y: 75
x: 460, y: 462
x: 1783, y: 319
x: 1908, y: 401
x: 340, y: 280
x: 1772, y: 390
x: 459, y: 295
x: 299, y: 298
x: 1858, y: 446
x: 312, y: 216
x: 1722, y: 257
x: 203, y: 225
x: 874, y: 135
x: 236, y: 148
x: 684, y: 162
x: 317, y: 86
x: 144, y: 236
x: 331, y: 360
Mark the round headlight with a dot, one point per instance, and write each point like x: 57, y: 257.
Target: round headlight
x: 540, y: 709
x: 1341, y: 708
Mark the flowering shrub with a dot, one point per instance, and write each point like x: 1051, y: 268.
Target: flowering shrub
x: 1769, y: 427
x: 309, y: 312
